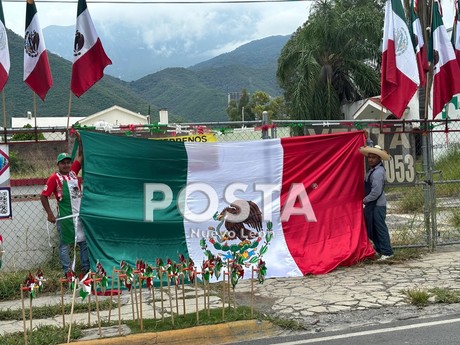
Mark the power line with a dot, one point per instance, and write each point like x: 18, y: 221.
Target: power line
x: 194, y: 2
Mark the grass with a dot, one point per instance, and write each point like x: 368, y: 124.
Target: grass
x: 11, y: 281
x: 44, y: 335
x: 421, y: 297
x: 417, y: 297
x: 189, y: 320
x: 49, y: 335
x: 410, y: 200
x: 455, y: 219
x: 49, y: 311
x: 448, y: 163
x: 401, y: 255
x: 443, y: 295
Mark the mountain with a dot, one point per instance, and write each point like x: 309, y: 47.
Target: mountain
x: 258, y: 53
x: 197, y: 93
x: 133, y: 53
x: 200, y: 92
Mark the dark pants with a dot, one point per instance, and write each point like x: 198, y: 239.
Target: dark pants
x: 377, y: 229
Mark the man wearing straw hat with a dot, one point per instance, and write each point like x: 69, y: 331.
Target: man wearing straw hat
x: 375, y: 202
x: 65, y: 186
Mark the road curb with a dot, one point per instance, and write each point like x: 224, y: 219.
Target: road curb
x: 202, y: 335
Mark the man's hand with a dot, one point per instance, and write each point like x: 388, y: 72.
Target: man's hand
x: 51, y: 218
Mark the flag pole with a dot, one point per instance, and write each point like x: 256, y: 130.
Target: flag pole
x: 68, y: 112
x: 429, y: 75
x: 4, y: 113
x: 35, y: 117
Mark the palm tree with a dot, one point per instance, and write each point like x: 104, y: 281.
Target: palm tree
x: 334, y: 58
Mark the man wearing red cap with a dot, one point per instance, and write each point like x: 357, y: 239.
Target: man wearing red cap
x: 65, y: 186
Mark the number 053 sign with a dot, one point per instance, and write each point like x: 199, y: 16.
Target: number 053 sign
x: 400, y: 169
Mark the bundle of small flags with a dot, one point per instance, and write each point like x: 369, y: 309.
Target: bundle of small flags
x: 261, y: 271
x: 102, y: 274
x: 191, y: 270
x: 127, y: 270
x: 207, y: 269
x: 237, y: 272
x: 34, y: 284
x: 173, y: 271
x: 85, y: 285
x: 160, y: 267
x: 148, y: 274
x: 70, y: 276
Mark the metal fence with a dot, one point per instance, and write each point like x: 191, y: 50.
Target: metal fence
x: 423, y: 176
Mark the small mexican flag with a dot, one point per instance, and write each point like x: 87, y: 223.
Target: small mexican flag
x: 400, y: 77
x: 4, y: 56
x: 37, y: 73
x: 446, y: 71
x: 85, y: 286
x: 90, y: 58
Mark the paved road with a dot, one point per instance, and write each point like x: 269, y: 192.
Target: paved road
x: 438, y: 331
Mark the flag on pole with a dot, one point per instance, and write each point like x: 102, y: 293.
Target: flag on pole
x: 37, y: 73
x: 446, y: 71
x: 400, y: 77
x: 456, y: 34
x: 419, y: 43
x: 4, y: 51
x: 89, y: 55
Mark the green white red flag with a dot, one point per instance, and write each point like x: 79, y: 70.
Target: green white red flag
x: 446, y: 71
x: 37, y: 73
x: 90, y: 58
x: 419, y: 43
x: 400, y: 77
x: 307, y: 216
x: 4, y: 51
x: 456, y: 34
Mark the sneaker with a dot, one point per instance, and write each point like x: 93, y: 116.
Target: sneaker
x: 385, y: 257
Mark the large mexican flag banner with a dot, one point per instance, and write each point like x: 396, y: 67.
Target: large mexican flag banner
x: 295, y: 203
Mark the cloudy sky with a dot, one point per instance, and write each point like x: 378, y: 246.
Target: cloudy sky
x: 164, y: 21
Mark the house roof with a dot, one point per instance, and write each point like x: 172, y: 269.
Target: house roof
x: 50, y: 122
x: 92, y: 118
x: 372, y: 109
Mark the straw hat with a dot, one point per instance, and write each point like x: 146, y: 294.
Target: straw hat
x: 376, y: 150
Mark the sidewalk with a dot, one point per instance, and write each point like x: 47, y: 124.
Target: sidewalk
x: 349, y: 296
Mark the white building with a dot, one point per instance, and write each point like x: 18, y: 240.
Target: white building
x: 107, y: 119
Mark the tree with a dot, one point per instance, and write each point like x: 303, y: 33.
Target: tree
x: 253, y: 106
x: 334, y: 58
x: 235, y: 110
x: 259, y: 103
x: 28, y: 135
x: 232, y: 111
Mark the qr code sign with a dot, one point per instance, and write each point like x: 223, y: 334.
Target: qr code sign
x: 5, y: 203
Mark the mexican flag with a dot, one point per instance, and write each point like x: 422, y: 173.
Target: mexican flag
x: 446, y: 71
x: 456, y: 33
x: 37, y: 73
x: 4, y: 51
x: 419, y: 43
x: 400, y: 77
x: 89, y: 55
x: 298, y: 201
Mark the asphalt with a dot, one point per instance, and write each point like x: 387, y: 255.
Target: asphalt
x: 364, y: 294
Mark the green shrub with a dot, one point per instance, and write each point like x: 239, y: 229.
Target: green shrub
x: 417, y: 297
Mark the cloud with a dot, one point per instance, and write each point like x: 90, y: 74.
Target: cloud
x: 158, y: 23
